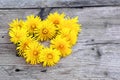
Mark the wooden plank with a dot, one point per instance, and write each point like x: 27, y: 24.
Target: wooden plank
x: 55, y: 3
x: 109, y: 35
x: 88, y: 17
x: 83, y: 64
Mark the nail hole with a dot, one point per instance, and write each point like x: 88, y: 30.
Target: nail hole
x: 92, y: 40
x: 44, y: 70
x: 17, y: 70
x: 106, y: 73
x: 92, y: 48
x: 2, y: 36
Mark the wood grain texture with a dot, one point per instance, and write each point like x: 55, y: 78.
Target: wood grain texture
x: 56, y: 3
x: 96, y: 56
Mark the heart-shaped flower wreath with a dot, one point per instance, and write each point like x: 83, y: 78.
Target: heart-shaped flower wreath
x: 59, y: 31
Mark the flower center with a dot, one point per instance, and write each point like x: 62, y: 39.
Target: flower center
x: 20, y: 25
x: 25, y: 45
x: 35, y: 53
x: 33, y: 26
x: 17, y: 36
x: 49, y: 56
x: 44, y: 31
x: 56, y: 22
x: 61, y: 46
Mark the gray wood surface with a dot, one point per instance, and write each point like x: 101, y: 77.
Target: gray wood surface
x: 56, y: 3
x: 96, y: 56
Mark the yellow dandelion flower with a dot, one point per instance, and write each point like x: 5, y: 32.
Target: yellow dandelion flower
x: 45, y: 31
x: 69, y: 35
x: 17, y: 34
x: 16, y: 23
x: 32, y: 22
x: 56, y: 18
x: 49, y: 56
x: 32, y: 52
x: 71, y: 24
x: 62, y: 45
x: 76, y: 26
x: 22, y: 46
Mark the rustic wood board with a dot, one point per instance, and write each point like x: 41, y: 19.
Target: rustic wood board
x: 56, y: 3
x: 96, y: 56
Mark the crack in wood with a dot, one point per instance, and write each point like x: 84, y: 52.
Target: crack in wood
x: 84, y: 3
x: 44, y: 12
x: 93, y: 42
x: 98, y: 51
x: 104, y: 43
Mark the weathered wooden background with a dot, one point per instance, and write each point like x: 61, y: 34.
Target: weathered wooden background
x: 96, y: 56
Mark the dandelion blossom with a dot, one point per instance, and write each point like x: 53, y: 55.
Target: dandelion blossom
x: 32, y: 22
x: 56, y: 18
x: 69, y: 35
x: 62, y: 45
x: 45, y: 31
x: 16, y: 23
x: 17, y: 34
x: 22, y: 46
x: 49, y: 56
x: 32, y: 52
x: 71, y: 24
x: 44, y: 41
